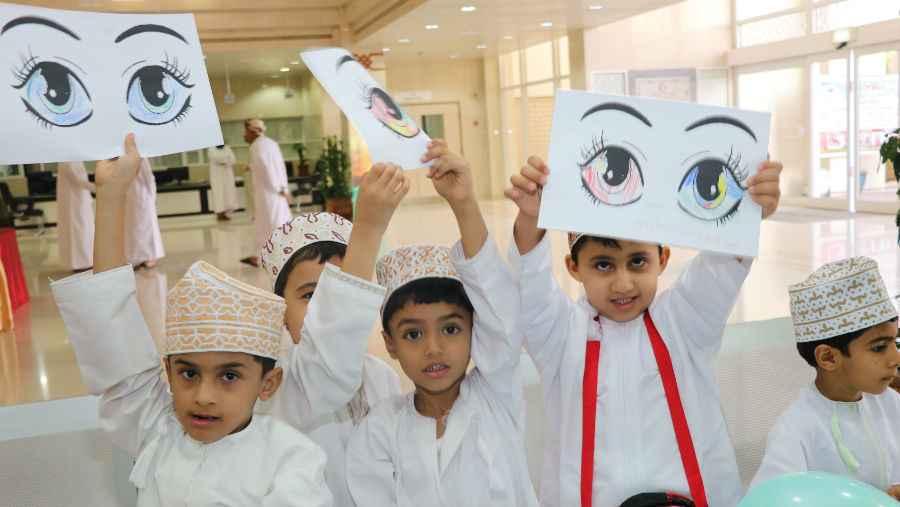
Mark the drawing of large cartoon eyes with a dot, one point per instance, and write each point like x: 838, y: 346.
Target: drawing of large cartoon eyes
x: 710, y: 190
x: 53, y: 94
x: 389, y: 114
x: 158, y: 95
x: 612, y: 176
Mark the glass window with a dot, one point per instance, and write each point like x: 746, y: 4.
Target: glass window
x: 608, y: 82
x: 751, y: 8
x: 852, y: 13
x: 539, y: 62
x: 509, y: 69
x: 512, y: 134
x: 540, y: 116
x: 772, y: 29
x: 877, y: 91
x: 713, y: 87
x: 563, y: 45
x: 565, y: 83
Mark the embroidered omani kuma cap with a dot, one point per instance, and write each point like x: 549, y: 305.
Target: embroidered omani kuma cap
x: 209, y: 311
x: 299, y: 232
x: 413, y: 262
x: 573, y: 237
x: 838, y: 298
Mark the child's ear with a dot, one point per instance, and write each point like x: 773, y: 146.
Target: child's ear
x: 826, y: 357
x: 664, y: 258
x: 270, y: 383
x: 389, y: 344
x: 168, y: 369
x: 572, y: 267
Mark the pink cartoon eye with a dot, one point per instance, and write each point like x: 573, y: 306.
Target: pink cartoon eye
x: 612, y: 176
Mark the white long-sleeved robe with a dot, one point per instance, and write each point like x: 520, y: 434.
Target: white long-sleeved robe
x: 75, y: 222
x: 221, y: 179
x: 635, y: 446
x: 393, y: 456
x: 269, y: 178
x: 267, y: 463
x: 143, y: 242
x: 324, y: 371
x: 801, y: 439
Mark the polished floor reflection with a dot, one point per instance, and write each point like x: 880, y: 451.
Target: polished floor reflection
x: 37, y: 363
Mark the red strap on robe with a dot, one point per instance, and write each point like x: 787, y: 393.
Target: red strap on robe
x: 589, y: 419
x: 676, y: 411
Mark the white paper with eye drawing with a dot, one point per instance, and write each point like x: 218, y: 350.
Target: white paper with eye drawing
x: 72, y: 84
x: 390, y: 134
x: 656, y: 171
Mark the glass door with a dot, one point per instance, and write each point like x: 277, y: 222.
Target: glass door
x: 829, y: 111
x: 877, y: 87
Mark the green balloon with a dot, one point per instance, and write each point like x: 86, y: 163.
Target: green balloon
x: 816, y: 489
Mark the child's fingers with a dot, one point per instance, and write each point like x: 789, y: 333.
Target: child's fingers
x: 403, y: 188
x: 523, y: 184
x: 434, y: 152
x: 512, y: 193
x: 534, y: 174
x: 538, y: 163
x: 396, y: 177
x: 768, y: 188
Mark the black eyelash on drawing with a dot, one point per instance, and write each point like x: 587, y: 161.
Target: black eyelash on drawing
x: 182, y: 75
x: 365, y: 94
x: 596, y: 147
x: 38, y: 118
x: 733, y: 164
x: 727, y: 217
x: 23, y: 72
x: 184, y: 110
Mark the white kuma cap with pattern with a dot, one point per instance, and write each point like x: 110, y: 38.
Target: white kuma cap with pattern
x: 301, y: 231
x: 838, y: 298
x: 209, y: 311
x: 413, y: 262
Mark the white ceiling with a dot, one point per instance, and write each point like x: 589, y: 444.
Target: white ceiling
x: 460, y: 32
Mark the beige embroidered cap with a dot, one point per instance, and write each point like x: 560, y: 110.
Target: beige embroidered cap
x: 209, y: 311
x: 573, y: 237
x: 838, y: 298
x: 299, y: 232
x: 413, y: 262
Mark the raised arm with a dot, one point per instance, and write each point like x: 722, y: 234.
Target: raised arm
x: 546, y: 309
x: 497, y: 324
x: 115, y: 351
x: 327, y: 364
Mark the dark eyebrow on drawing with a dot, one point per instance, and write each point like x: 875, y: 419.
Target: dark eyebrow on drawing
x: 728, y: 120
x: 148, y: 28
x: 345, y: 59
x: 617, y: 106
x: 25, y: 20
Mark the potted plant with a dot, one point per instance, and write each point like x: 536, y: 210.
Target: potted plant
x: 333, y: 169
x: 302, y: 166
x: 890, y: 152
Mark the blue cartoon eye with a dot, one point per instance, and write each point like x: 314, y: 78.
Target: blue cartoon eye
x: 54, y: 95
x: 158, y: 95
x: 710, y: 191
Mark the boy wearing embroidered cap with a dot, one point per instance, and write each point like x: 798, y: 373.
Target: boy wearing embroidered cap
x: 330, y: 381
x: 846, y: 421
x: 458, y: 439
x: 632, y: 401
x: 195, y: 442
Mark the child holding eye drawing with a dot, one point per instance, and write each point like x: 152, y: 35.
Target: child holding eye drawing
x: 195, y: 441
x: 632, y: 401
x: 458, y: 439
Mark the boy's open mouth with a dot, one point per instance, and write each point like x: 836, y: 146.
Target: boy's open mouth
x: 203, y: 420
x: 623, y: 302
x: 436, y: 370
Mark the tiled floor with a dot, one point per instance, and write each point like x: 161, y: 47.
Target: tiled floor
x: 37, y: 363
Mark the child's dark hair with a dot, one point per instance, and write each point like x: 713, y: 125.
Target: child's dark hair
x: 425, y: 291
x: 319, y: 251
x: 610, y: 242
x: 268, y: 363
x: 841, y: 342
